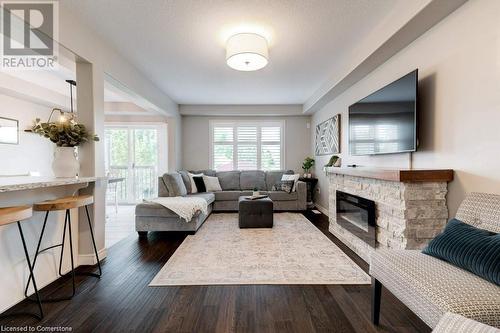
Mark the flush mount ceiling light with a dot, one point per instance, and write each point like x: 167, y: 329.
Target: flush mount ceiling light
x: 246, y: 52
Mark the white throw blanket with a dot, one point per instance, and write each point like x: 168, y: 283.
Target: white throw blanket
x: 185, y: 207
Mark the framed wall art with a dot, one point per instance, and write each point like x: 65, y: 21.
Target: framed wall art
x: 328, y: 137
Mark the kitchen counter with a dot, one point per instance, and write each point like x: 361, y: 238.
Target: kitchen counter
x: 9, y: 184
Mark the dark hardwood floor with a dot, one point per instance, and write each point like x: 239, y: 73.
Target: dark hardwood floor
x: 121, y: 300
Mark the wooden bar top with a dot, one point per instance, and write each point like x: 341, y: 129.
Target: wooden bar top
x: 396, y: 175
x: 8, y: 184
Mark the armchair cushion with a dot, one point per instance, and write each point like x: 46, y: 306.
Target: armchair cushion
x: 430, y: 287
x: 454, y: 323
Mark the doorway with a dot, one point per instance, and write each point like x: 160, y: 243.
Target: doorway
x: 135, y: 155
x: 132, y: 153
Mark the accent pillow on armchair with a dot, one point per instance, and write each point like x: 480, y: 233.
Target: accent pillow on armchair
x: 463, y: 245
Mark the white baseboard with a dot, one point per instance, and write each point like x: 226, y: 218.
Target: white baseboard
x: 322, y: 209
x: 89, y: 259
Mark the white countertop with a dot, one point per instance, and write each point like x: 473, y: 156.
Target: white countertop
x: 8, y: 184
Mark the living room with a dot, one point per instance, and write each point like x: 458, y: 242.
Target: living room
x: 250, y: 166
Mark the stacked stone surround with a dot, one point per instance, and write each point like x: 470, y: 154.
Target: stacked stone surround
x: 408, y: 215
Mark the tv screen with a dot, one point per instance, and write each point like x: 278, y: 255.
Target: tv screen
x: 385, y: 122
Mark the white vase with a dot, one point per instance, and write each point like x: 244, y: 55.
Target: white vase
x: 65, y: 164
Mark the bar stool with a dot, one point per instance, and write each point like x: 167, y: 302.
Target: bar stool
x: 10, y: 215
x: 66, y: 204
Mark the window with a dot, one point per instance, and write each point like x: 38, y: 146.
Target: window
x: 246, y: 146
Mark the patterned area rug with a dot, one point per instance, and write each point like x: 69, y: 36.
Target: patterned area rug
x: 293, y: 252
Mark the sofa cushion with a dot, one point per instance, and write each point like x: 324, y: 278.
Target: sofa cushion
x: 174, y: 183
x: 230, y: 195
x: 430, y: 287
x: 281, y: 195
x: 209, y: 197
x: 229, y: 180
x: 207, y: 172
x: 272, y: 177
x: 187, y: 181
x: 476, y: 250
x: 253, y: 179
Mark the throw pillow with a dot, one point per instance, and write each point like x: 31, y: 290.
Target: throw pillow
x: 476, y: 250
x: 294, y: 177
x: 211, y: 184
x: 175, y: 185
x: 200, y: 184
x: 194, y: 189
x: 284, y: 185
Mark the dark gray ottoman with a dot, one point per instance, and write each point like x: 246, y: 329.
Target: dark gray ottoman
x: 255, y: 213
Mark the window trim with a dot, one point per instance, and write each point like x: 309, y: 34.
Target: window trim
x: 234, y: 124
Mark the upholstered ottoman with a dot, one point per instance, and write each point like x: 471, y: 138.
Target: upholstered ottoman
x: 255, y: 213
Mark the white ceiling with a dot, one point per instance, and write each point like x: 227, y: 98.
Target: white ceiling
x: 180, y: 44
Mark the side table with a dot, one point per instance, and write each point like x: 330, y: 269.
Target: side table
x: 311, y: 185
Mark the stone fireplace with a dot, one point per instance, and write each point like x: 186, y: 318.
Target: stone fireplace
x: 410, y: 206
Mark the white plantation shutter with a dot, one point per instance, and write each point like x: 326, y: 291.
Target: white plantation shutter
x: 247, y: 146
x: 247, y: 134
x: 247, y: 157
x: 223, y: 148
x: 271, y: 147
x: 223, y: 134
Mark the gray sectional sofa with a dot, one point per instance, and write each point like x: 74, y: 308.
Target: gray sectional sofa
x: 154, y: 217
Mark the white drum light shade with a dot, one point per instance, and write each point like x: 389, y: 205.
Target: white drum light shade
x: 246, y: 52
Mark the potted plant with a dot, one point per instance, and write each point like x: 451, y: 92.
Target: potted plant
x: 67, y: 135
x: 307, y: 165
x: 255, y: 192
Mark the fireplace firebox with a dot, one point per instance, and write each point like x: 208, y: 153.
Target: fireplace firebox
x: 357, y: 215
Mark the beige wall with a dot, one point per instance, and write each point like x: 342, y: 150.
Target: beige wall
x: 196, y: 145
x: 459, y: 87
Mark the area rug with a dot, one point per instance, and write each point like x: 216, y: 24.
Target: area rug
x: 294, y: 251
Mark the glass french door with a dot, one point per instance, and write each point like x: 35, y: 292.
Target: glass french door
x: 132, y: 154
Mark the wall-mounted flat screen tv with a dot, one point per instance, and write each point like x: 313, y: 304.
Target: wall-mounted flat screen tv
x: 385, y: 122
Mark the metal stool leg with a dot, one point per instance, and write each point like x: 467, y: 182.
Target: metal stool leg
x: 71, y: 252
x: 62, y: 244
x: 31, y: 270
x: 32, y: 277
x: 67, y: 224
x: 36, y: 253
x: 93, y: 243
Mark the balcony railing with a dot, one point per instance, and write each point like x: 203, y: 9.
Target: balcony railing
x: 140, y: 182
